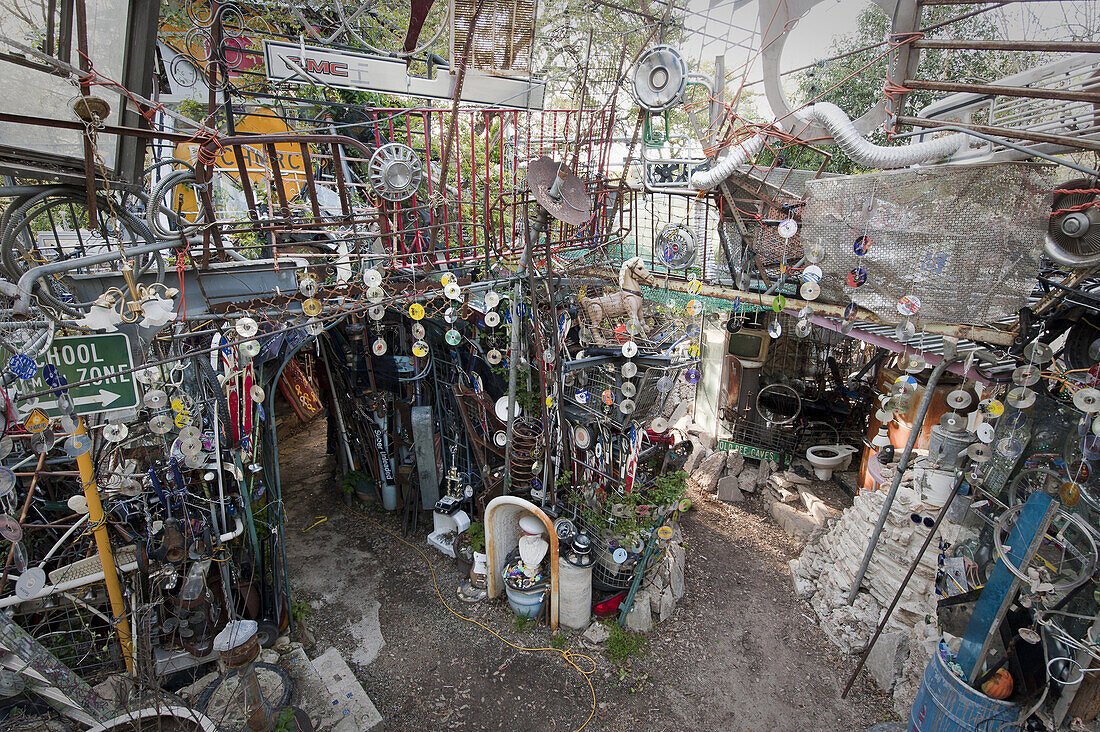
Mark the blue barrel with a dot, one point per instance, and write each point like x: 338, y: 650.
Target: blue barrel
x: 526, y: 603
x: 946, y: 704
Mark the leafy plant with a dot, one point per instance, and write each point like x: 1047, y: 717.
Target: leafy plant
x: 522, y: 623
x: 300, y: 610
x: 624, y: 644
x: 285, y: 721
x: 558, y: 641
x: 352, y: 481
x: 476, y: 535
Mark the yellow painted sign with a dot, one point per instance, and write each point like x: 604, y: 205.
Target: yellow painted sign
x: 262, y: 121
x: 37, y: 421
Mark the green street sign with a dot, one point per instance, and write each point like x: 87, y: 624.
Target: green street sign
x: 78, y: 358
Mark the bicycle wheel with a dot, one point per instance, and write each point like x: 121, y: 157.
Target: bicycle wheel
x: 53, y: 226
x: 1066, y: 557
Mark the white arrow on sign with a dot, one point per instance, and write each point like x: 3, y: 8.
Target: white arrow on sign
x: 103, y: 398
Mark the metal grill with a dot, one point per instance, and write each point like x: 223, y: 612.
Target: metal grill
x: 503, y: 34
x: 587, y: 386
x: 965, y: 241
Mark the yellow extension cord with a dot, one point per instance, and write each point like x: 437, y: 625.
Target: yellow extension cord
x: 568, y: 655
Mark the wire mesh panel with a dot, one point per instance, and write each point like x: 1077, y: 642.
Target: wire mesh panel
x: 503, y: 33
x: 604, y: 391
x: 965, y: 241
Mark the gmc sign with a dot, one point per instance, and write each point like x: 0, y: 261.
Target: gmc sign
x: 296, y: 64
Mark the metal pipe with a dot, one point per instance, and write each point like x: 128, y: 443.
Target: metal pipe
x: 983, y: 132
x: 98, y: 521
x: 1030, y: 92
x: 1056, y: 46
x: 904, y: 583
x: 340, y: 426
x: 513, y: 353
x: 903, y: 463
x: 22, y: 305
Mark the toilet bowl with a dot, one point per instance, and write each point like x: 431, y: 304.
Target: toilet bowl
x: 827, y: 458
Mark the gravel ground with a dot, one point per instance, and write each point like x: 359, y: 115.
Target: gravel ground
x: 741, y: 651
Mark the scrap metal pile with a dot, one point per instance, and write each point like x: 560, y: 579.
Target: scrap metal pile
x: 505, y: 310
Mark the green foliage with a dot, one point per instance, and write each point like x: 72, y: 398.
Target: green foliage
x: 285, y: 721
x: 523, y: 624
x: 855, y: 83
x: 558, y: 641
x: 666, y: 490
x: 623, y: 644
x: 352, y: 481
x: 476, y: 535
x: 300, y: 610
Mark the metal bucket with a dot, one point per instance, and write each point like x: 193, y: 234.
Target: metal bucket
x: 945, y: 704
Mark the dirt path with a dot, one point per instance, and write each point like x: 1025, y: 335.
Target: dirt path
x: 740, y: 653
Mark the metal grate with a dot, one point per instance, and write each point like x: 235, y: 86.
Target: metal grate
x: 965, y: 241
x: 503, y: 34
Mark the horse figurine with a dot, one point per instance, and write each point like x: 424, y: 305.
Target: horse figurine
x: 627, y: 301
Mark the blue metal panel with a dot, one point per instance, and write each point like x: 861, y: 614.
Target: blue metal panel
x: 1000, y: 590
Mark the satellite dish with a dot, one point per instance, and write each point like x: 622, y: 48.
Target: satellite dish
x: 660, y: 78
x: 559, y: 191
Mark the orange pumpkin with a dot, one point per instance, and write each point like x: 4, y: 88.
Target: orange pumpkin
x: 999, y: 685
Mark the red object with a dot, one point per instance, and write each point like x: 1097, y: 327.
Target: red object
x: 620, y: 333
x: 418, y: 13
x: 609, y: 607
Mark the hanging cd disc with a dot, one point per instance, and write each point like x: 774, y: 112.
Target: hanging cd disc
x: 453, y: 337
x: 379, y: 347
x: 307, y: 286
x: 991, y: 408
x: 43, y: 442
x: 809, y: 290
x: 1010, y: 447
x: 256, y: 393
x: 628, y: 389
x: 1016, y: 420
x: 979, y: 453
x: 775, y: 328
x: 30, y: 583
x: 376, y: 312
x: 453, y: 291
x: 6, y: 446
x: 1090, y: 447
x: 1026, y: 375
x: 182, y: 419
x: 420, y: 349
x: 7, y: 481
x: 626, y: 406
x: 155, y: 399
x: 802, y: 328
x: 10, y: 528
x: 115, y: 432
x: 1020, y: 397
x: 250, y: 349
x: 734, y: 324
x: 190, y: 433
x: 665, y: 384
x: 492, y: 299
x: 500, y: 438
x: 629, y: 370
x: 194, y: 461
x: 1037, y: 352
x: 68, y: 423
x: 494, y: 356
x: 659, y: 425
x: 418, y: 331
x: 247, y: 327
x: 582, y: 438
x: 548, y: 355
x: 492, y: 319
x: 630, y: 349
x: 959, y: 399
x: 190, y: 447
x: 160, y: 424
x: 1087, y: 400
x: 953, y: 421
x: 1096, y: 426
x: 147, y: 376
x: 450, y: 316
x: 985, y: 433
x: 372, y: 278
x: 915, y: 363
x: 375, y: 295
x: 78, y: 445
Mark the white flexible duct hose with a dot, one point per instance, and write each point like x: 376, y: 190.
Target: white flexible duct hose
x: 865, y: 153
x: 862, y: 151
x: 739, y: 154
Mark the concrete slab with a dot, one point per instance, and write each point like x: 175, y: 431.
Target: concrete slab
x: 729, y: 491
x: 347, y: 706
x: 887, y: 659
x: 794, y: 522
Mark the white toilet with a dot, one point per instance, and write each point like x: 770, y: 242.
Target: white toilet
x: 827, y: 458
